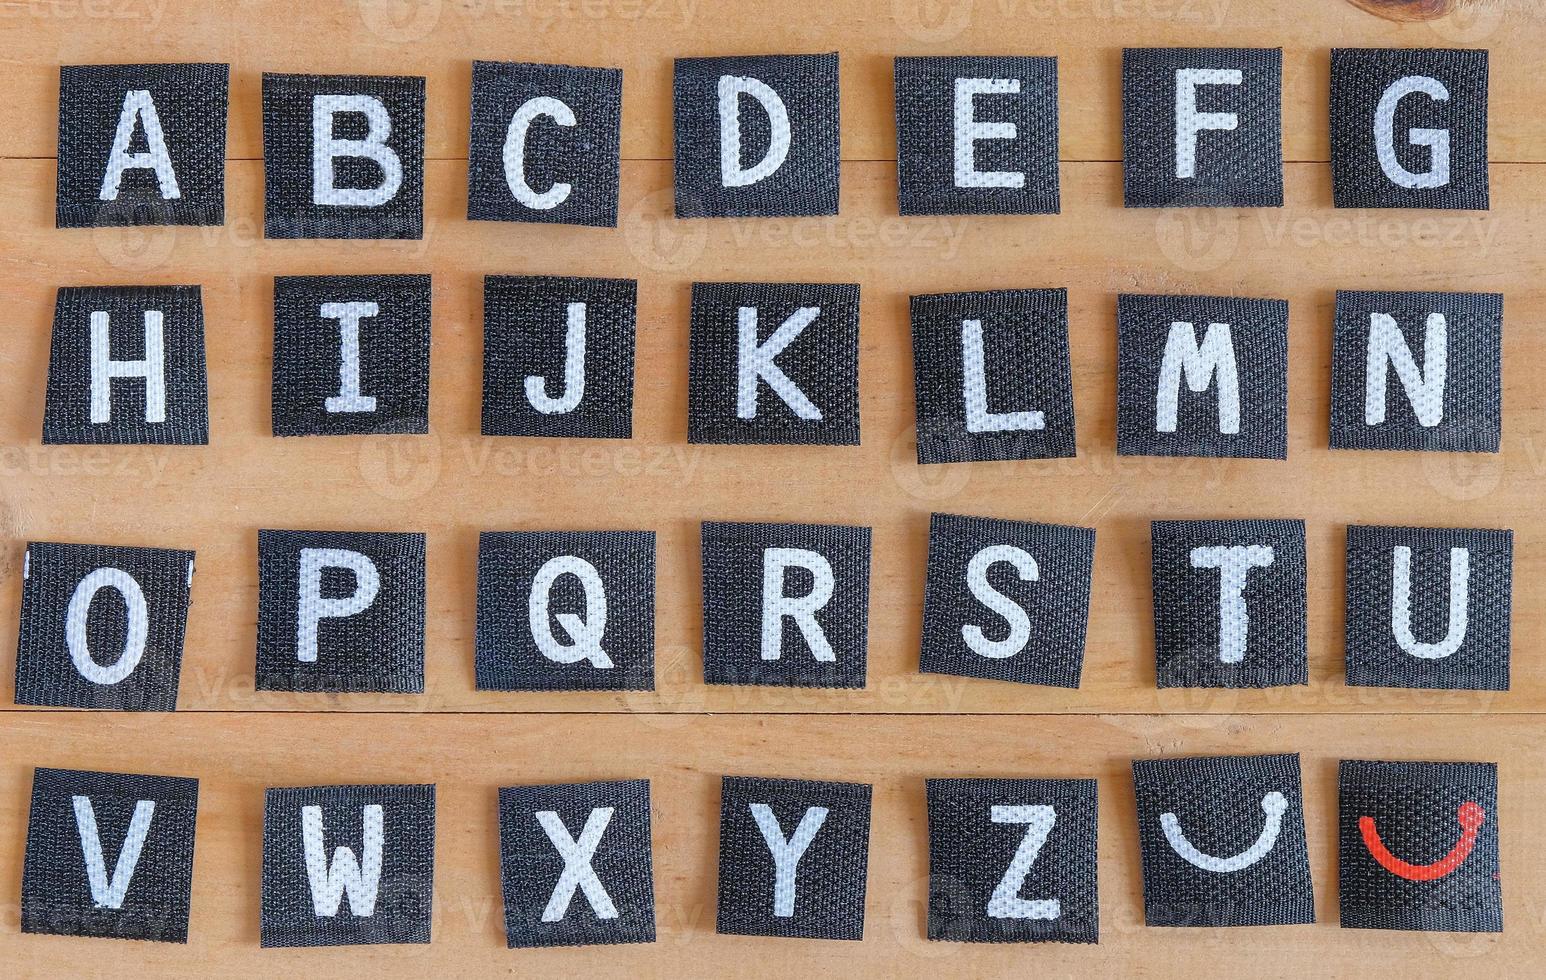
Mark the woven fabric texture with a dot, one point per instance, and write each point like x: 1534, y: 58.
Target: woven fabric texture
x: 126, y: 366
x: 991, y: 375
x: 1409, y: 128
x: 381, y: 891
x: 1202, y: 127
x: 568, y: 172
x: 773, y: 363
x: 589, y: 595
x: 1222, y: 841
x: 1202, y: 376
x: 977, y: 135
x: 377, y: 167
x: 141, y: 145
x: 1437, y: 357
x: 351, y: 355
x: 822, y: 895
x: 602, y: 890
x: 1429, y: 607
x: 1229, y: 603
x: 558, y: 355
x: 805, y: 125
x: 340, y: 612
x: 1434, y: 826
x: 989, y: 612
x: 132, y: 834
x: 740, y: 559
x: 1013, y: 860
x: 102, y: 626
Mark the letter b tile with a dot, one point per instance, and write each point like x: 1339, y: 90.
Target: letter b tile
x: 343, y: 156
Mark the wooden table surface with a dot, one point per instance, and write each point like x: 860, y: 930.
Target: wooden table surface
x: 452, y: 483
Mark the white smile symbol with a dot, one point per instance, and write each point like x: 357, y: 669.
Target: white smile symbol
x: 1273, y: 805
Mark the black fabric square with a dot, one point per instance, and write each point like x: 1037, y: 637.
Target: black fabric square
x: 109, y: 855
x: 1013, y: 860
x: 351, y: 355
x: 756, y: 136
x: 977, y: 135
x: 1222, y: 841
x: 1429, y: 607
x: 126, y: 366
x: 1229, y: 603
x: 341, y: 612
x: 1202, y: 127
x: 1202, y: 376
x: 575, y: 864
x: 991, y: 375
x: 811, y: 626
x: 1419, y: 846
x: 566, y: 611
x: 814, y: 888
x: 102, y: 626
x: 348, y: 865
x: 141, y: 145
x: 1439, y: 381
x: 773, y: 363
x: 544, y: 143
x: 343, y: 156
x: 1409, y: 128
x: 1006, y: 600
x: 558, y: 356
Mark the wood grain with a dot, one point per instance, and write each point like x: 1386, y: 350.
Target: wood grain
x: 903, y: 727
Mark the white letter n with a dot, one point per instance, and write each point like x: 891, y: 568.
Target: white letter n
x: 1424, y: 386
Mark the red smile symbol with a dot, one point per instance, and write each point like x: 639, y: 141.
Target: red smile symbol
x: 1471, y: 817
